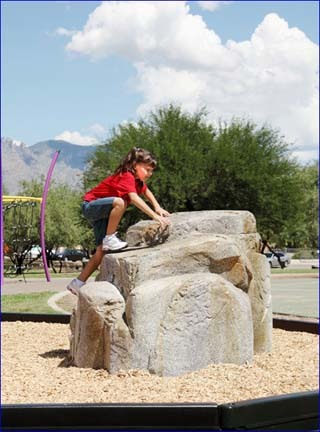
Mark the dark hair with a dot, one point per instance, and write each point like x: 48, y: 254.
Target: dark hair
x: 136, y: 155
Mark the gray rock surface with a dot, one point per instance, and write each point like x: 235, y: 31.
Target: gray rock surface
x: 261, y: 302
x: 183, y: 323
x: 183, y: 224
x: 202, y: 295
x: 211, y: 253
x: 100, y: 339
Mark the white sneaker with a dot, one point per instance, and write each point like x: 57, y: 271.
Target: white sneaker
x: 75, y: 285
x: 112, y: 243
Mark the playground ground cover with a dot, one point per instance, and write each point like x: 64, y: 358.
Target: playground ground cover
x: 41, y: 374
x: 38, y: 365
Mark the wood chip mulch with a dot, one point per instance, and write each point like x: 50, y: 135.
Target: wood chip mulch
x: 33, y: 371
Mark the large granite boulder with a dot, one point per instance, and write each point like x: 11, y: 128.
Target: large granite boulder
x: 237, y: 228
x: 199, y: 294
x: 173, y: 325
x: 183, y: 323
x: 208, y: 254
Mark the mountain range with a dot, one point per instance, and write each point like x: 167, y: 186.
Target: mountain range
x: 21, y: 162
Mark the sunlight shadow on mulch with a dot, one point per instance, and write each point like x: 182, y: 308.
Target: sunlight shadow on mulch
x: 58, y: 353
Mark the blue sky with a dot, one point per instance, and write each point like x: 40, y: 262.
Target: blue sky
x: 70, y: 75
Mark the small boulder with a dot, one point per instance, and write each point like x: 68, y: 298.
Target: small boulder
x: 100, y: 338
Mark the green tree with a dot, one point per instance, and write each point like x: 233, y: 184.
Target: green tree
x: 63, y: 223
x: 306, y: 233
x: 252, y: 169
x: 180, y: 142
x: 235, y: 166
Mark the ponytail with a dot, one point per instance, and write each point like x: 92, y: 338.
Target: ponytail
x: 135, y: 155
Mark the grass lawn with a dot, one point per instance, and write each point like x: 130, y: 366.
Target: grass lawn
x: 34, y: 302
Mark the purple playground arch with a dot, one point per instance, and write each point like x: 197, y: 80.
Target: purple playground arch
x: 1, y: 223
x: 42, y: 215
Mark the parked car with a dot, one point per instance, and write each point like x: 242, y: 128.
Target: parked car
x: 273, y: 259
x: 70, y: 255
x: 34, y: 252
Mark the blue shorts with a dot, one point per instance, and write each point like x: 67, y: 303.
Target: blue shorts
x: 97, y: 214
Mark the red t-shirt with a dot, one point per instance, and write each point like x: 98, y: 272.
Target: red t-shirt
x: 117, y: 185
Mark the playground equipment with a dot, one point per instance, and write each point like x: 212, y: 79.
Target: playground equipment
x: 21, y: 232
x: 19, y: 226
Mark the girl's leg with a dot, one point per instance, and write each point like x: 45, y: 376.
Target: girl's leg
x: 111, y: 242
x: 92, y: 264
x: 95, y: 211
x: 119, y: 207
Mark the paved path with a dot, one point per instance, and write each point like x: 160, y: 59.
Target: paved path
x: 19, y: 286
x: 291, y: 294
x: 295, y: 295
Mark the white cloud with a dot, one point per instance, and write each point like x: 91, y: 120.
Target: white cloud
x: 61, y: 31
x: 98, y: 130
x: 306, y: 156
x: 184, y: 87
x: 158, y: 32
x: 271, y: 78
x: 212, y: 5
x: 76, y: 138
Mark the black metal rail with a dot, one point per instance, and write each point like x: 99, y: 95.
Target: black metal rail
x: 298, y: 411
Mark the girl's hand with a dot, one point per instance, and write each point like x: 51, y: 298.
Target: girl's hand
x: 164, y: 221
x: 161, y: 212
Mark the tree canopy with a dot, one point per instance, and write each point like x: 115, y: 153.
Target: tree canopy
x: 231, y: 166
x: 64, y: 225
x: 235, y: 166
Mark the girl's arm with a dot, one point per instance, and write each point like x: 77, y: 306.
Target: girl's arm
x: 157, y: 208
x: 138, y: 202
